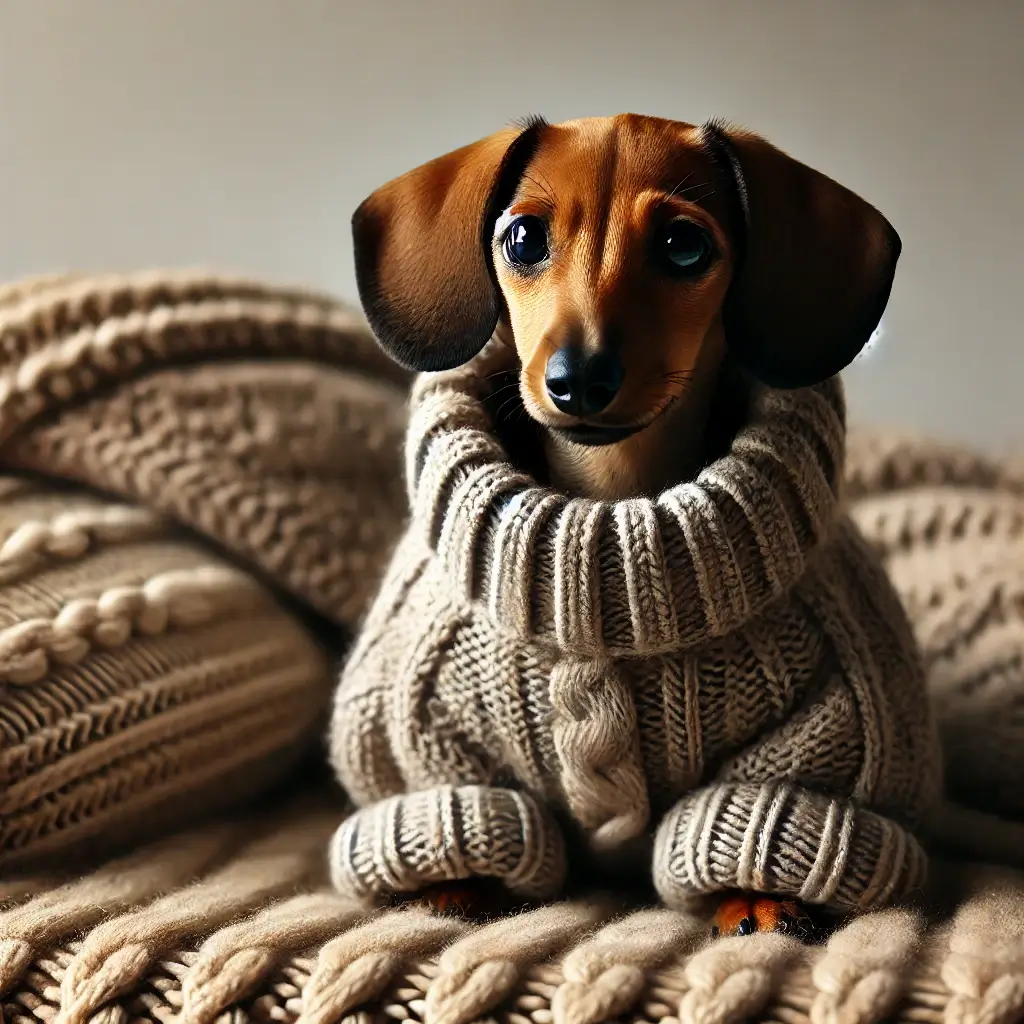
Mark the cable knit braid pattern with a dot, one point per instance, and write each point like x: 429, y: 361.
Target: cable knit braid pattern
x: 724, y: 667
x: 235, y: 921
x: 185, y: 461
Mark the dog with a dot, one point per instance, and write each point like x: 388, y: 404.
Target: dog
x: 641, y: 273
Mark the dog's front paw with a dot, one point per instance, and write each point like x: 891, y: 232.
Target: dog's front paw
x: 744, y: 915
x: 475, y: 899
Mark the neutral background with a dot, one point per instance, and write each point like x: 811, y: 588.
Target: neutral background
x: 240, y: 134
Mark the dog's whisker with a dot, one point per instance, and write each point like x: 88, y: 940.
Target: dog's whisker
x: 500, y: 391
x: 508, y: 403
x: 511, y: 402
x: 543, y: 187
x: 693, y: 188
x: 680, y: 185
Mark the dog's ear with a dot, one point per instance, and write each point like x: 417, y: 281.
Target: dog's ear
x: 815, y: 264
x: 423, y: 250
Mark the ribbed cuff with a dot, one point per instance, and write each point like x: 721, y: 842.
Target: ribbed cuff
x: 782, y: 840
x: 408, y: 842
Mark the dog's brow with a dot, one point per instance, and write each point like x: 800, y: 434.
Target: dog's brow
x: 546, y: 201
x: 608, y: 180
x: 676, y: 188
x: 541, y: 184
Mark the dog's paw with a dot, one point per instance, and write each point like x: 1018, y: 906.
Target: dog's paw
x: 744, y: 915
x: 476, y: 899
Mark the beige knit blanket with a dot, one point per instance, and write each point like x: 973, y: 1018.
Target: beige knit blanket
x: 265, y: 423
x: 265, y: 419
x: 236, y: 923
x: 948, y: 524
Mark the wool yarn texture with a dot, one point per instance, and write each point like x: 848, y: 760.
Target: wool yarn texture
x: 197, y: 473
x: 200, y: 490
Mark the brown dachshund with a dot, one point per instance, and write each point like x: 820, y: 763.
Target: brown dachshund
x: 641, y: 271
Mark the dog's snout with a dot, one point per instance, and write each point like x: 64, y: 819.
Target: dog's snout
x: 582, y: 384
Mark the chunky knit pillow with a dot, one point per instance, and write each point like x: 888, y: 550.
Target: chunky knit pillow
x: 141, y: 678
x: 195, y: 474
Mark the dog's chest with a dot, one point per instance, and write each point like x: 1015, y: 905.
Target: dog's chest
x: 693, y: 710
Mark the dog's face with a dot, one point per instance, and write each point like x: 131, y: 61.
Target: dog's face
x: 623, y: 257
x: 613, y: 261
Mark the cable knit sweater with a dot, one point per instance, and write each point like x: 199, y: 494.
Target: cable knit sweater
x: 724, y: 667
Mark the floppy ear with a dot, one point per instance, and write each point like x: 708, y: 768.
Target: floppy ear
x: 815, y: 268
x: 423, y: 251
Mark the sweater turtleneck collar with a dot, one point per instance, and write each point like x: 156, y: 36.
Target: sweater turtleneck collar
x: 640, y: 576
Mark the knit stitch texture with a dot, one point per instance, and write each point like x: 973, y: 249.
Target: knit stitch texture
x: 724, y: 666
x: 237, y: 921
x: 150, y: 673
x: 948, y: 525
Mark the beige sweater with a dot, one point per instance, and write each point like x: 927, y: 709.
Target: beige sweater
x: 724, y: 666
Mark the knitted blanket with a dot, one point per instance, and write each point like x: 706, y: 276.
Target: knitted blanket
x: 725, y: 665
x: 237, y: 922
x: 265, y: 419
x: 948, y: 525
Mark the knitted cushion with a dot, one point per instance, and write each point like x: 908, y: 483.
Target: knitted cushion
x: 142, y: 679
x: 949, y: 525
x: 148, y: 674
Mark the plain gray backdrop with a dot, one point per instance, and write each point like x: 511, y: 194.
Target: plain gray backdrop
x: 240, y: 135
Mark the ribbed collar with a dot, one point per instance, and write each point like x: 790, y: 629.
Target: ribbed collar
x: 639, y: 576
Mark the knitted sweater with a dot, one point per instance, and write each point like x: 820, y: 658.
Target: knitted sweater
x: 724, y: 666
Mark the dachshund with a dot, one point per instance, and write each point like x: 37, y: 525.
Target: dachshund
x: 641, y: 273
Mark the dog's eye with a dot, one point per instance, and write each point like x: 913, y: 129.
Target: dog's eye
x: 684, y: 248
x: 526, y: 243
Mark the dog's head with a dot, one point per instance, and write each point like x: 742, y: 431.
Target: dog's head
x: 623, y: 257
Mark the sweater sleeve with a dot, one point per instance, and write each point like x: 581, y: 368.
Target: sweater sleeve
x: 866, y: 731
x: 820, y: 747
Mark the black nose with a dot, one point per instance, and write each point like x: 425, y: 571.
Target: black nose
x: 580, y: 384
